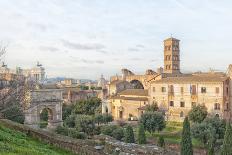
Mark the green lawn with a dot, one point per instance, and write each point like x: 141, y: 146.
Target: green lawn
x: 17, y: 143
x: 172, y: 134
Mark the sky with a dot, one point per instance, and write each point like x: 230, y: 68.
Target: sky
x: 87, y: 38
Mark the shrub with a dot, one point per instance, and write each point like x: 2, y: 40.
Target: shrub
x: 198, y: 113
x: 62, y: 130
x: 75, y: 134
x: 85, y: 123
x: 161, y: 142
x: 186, y: 141
x: 118, y: 133
x: 153, y: 121
x: 107, y: 118
x: 108, y: 129
x: 141, y: 135
x: 129, y: 135
x: 98, y: 118
x: 70, y: 121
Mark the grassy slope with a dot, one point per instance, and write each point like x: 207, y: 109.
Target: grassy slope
x: 17, y: 143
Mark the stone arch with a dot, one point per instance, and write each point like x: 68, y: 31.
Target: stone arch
x: 136, y: 84
x: 50, y: 100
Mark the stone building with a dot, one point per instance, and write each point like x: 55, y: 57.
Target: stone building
x: 125, y: 105
x: 177, y: 95
x: 174, y: 92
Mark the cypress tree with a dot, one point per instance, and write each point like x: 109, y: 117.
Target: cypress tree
x: 186, y: 141
x: 161, y: 142
x: 141, y: 135
x: 129, y: 135
x: 227, y: 143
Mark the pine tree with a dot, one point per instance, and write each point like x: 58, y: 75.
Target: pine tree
x: 227, y: 143
x: 141, y: 135
x: 129, y: 135
x: 186, y: 141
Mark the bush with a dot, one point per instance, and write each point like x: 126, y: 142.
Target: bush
x: 129, y: 135
x: 108, y: 130
x: 70, y: 121
x: 107, y: 118
x: 161, y: 142
x: 85, y: 123
x: 118, y: 133
x: 198, y: 113
x: 98, y: 118
x: 141, y: 135
x: 70, y: 132
x: 153, y: 121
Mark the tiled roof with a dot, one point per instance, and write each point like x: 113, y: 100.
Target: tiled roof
x: 135, y: 92
x: 210, y: 77
x: 130, y: 98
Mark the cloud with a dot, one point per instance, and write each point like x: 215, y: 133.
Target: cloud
x: 89, y: 46
x: 48, y: 48
x: 38, y: 26
x: 135, y: 59
x: 140, y: 46
x: 134, y: 49
x: 87, y: 61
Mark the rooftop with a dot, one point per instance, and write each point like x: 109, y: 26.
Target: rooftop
x: 134, y: 92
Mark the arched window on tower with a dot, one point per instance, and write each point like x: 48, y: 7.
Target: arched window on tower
x: 181, y: 114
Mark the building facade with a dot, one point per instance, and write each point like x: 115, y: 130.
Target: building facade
x: 174, y: 92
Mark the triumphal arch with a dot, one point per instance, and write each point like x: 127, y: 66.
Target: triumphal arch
x: 38, y: 100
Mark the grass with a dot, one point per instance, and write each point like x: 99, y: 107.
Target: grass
x: 172, y: 134
x: 17, y: 143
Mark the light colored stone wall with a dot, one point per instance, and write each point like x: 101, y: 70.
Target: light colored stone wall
x: 208, y: 99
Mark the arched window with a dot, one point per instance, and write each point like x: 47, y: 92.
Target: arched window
x: 216, y: 106
x: 181, y: 114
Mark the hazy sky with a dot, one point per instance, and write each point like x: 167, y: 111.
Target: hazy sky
x: 87, y: 38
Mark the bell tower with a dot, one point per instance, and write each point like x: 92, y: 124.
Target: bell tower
x: 171, y: 56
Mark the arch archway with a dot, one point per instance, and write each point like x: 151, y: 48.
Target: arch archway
x: 136, y: 84
x: 46, y: 116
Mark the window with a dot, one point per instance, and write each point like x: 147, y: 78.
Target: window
x: 163, y: 89
x: 227, y: 91
x: 181, y: 114
x: 193, y: 90
x: 217, y: 90
x: 182, y: 90
x: 182, y: 104
x: 203, y: 89
x: 171, y: 103
x: 153, y: 89
x: 171, y: 89
x: 216, y: 106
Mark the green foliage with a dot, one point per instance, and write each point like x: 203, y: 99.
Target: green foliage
x: 153, y: 121
x: 44, y: 115
x: 85, y: 123
x: 66, y: 111
x: 70, y: 121
x: 118, y: 133
x: 87, y: 107
x: 98, y: 118
x: 70, y: 132
x: 152, y: 107
x: 161, y: 142
x: 209, y: 130
x: 129, y: 135
x: 186, y: 141
x: 141, y: 135
x: 198, y: 113
x: 14, y: 113
x: 108, y: 129
x: 227, y: 143
x: 13, y: 142
x: 103, y: 118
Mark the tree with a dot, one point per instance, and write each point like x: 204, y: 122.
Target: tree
x: 85, y: 123
x: 141, y: 135
x: 107, y: 118
x: 209, y: 130
x: 129, y: 135
x: 161, y: 142
x: 66, y: 110
x: 186, y: 141
x: 227, y: 143
x: 87, y: 107
x: 153, y: 107
x: 118, y: 133
x: 98, y: 119
x: 153, y: 121
x: 198, y: 113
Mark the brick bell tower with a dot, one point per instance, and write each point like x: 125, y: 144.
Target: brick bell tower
x: 171, y: 56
